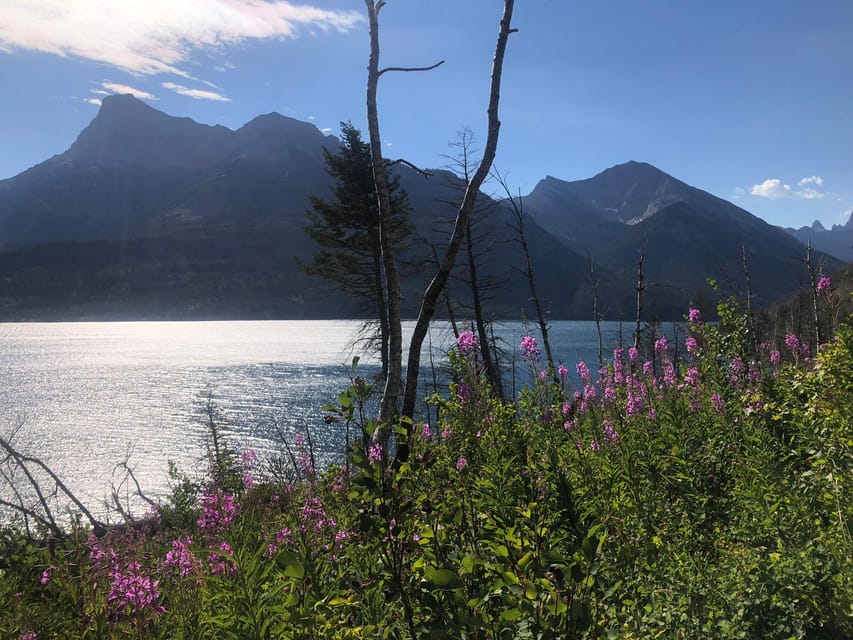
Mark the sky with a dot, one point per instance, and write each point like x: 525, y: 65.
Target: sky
x: 750, y: 100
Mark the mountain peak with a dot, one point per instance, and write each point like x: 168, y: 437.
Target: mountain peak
x: 274, y: 136
x: 817, y: 226
x: 276, y: 124
x: 129, y: 131
x: 122, y: 100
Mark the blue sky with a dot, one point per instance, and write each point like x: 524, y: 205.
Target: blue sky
x: 749, y: 100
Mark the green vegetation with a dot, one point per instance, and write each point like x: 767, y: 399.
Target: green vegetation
x: 701, y: 497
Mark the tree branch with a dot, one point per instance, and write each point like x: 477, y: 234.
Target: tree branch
x: 429, y: 68
x: 425, y: 174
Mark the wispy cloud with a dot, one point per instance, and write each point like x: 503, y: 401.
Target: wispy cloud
x: 114, y: 87
x: 326, y: 129
x: 155, y: 36
x: 198, y: 94
x: 775, y: 189
x: 94, y: 101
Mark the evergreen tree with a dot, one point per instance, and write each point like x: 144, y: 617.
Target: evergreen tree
x: 346, y: 230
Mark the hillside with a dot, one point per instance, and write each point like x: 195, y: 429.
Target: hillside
x: 151, y: 216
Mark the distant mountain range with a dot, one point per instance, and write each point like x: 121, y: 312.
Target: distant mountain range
x: 836, y: 241
x: 151, y: 216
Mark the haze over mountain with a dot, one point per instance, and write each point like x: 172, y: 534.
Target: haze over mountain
x: 837, y: 241
x: 148, y: 215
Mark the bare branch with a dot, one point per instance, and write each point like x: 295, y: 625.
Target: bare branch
x: 425, y: 174
x: 516, y: 208
x: 129, y: 474
x: 464, y: 213
x: 19, y: 461
x: 429, y: 68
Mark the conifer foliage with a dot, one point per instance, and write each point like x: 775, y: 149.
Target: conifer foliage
x: 346, y: 229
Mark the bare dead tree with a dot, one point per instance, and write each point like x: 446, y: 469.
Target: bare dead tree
x: 516, y: 208
x: 427, y: 309
x: 29, y: 466
x: 813, y: 280
x: 750, y: 318
x: 127, y: 478
x: 596, y: 314
x: 466, y: 208
x: 393, y: 383
x: 641, y: 289
x: 477, y: 286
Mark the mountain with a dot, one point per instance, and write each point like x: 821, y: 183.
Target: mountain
x: 686, y: 235
x: 836, y: 241
x: 151, y: 216
x: 136, y: 171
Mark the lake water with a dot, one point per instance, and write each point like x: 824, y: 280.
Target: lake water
x: 85, y: 396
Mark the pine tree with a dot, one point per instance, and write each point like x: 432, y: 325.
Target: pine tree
x: 346, y: 230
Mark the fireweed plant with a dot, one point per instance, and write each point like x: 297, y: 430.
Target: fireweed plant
x: 703, y: 497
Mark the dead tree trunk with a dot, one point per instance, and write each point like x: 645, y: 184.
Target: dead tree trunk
x: 596, y: 314
x: 641, y: 289
x: 813, y: 279
x: 463, y: 217
x: 530, y: 276
x: 394, y: 380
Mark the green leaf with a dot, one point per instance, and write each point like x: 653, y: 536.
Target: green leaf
x: 468, y: 563
x: 510, y: 615
x: 295, y: 570
x: 443, y: 578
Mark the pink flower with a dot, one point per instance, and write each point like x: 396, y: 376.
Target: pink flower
x: 792, y: 342
x: 218, y: 510
x: 374, y: 454
x: 823, y: 284
x: 661, y: 345
x: 583, y: 372
x: 29, y: 635
x: 694, y: 315
x: 562, y: 370
x: 426, y: 432
x: 466, y: 342
x: 461, y: 463
x: 775, y: 356
x: 220, y: 563
x: 528, y: 347
x: 718, y: 403
x: 609, y: 432
x: 45, y: 576
x: 132, y: 592
x: 692, y: 345
x: 180, y: 556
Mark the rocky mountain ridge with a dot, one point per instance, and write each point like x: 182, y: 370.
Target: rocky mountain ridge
x: 149, y: 215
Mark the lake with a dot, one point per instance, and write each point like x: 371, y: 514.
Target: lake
x: 86, y: 396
